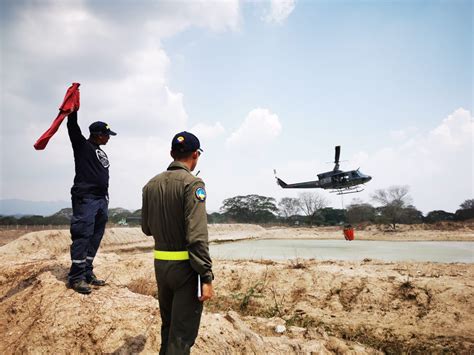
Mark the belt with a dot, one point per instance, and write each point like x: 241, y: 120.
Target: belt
x: 171, y: 255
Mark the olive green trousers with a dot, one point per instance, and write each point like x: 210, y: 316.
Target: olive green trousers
x: 180, y: 307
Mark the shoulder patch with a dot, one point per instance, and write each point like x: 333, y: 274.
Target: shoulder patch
x: 201, y: 194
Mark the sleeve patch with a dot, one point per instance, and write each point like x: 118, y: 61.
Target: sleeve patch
x: 201, y: 194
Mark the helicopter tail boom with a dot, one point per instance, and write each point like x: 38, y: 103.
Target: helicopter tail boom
x: 281, y: 183
x: 300, y: 185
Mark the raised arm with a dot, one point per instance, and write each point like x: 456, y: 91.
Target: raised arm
x: 74, y: 130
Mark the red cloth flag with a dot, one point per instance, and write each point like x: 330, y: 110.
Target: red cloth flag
x: 70, y: 104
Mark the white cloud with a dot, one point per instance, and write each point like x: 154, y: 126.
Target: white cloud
x: 54, y: 28
x: 436, y: 164
x: 206, y: 132
x: 174, y: 16
x: 402, y: 134
x: 134, y: 161
x: 455, y: 130
x: 279, y: 11
x: 259, y: 128
x: 140, y: 103
x: 115, y: 52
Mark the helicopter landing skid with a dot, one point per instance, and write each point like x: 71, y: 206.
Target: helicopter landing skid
x: 346, y: 191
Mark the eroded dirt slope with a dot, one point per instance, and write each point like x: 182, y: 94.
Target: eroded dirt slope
x: 318, y: 306
x: 40, y: 315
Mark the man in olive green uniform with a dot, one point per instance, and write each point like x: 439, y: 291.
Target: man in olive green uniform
x: 174, y: 212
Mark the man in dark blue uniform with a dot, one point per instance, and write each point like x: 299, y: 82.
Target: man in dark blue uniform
x: 89, y: 201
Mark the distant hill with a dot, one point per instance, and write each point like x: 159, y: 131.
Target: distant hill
x: 118, y: 211
x: 19, y: 208
x: 64, y: 213
x: 16, y: 207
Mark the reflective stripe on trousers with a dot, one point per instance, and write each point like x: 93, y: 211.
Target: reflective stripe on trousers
x: 78, y: 261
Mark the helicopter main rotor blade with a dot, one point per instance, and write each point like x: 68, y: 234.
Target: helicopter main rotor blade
x: 338, y: 153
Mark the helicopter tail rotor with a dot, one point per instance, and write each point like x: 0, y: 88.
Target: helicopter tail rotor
x: 279, y: 181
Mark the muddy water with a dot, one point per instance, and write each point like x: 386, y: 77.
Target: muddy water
x: 281, y: 249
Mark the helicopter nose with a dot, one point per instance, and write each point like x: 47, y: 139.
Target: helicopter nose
x: 368, y: 178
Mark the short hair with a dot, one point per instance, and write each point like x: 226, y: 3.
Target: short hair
x: 180, y: 155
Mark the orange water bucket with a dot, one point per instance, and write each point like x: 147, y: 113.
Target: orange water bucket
x: 349, y: 233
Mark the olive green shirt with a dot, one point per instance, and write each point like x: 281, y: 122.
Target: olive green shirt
x: 174, y: 213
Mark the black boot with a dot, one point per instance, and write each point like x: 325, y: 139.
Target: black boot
x: 94, y: 281
x: 81, y: 287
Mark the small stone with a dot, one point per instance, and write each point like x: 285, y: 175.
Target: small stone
x: 280, y: 329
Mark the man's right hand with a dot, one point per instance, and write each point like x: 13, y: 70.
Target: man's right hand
x: 207, y: 292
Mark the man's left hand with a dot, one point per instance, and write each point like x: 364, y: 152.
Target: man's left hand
x: 207, y: 292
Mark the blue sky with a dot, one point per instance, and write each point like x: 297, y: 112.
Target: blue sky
x: 372, y: 66
x: 270, y: 84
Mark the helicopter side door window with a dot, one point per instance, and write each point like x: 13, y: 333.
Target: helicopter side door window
x: 326, y: 180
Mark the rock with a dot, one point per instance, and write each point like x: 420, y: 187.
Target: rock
x: 337, y: 345
x: 241, y: 327
x: 297, y: 331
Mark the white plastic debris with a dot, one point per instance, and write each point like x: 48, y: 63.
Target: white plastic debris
x: 280, y: 329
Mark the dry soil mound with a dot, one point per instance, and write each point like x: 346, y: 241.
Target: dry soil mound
x: 57, y: 242
x: 40, y: 315
x: 394, y: 307
x: 324, y: 306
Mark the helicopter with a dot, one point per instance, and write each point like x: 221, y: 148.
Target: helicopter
x: 338, y: 181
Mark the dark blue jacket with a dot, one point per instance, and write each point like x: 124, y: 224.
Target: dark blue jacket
x: 91, y: 164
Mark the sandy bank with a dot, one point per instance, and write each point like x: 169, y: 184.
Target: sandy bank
x: 324, y: 307
x: 320, y: 306
x: 132, y: 239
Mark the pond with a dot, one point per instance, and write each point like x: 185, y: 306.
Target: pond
x: 283, y: 249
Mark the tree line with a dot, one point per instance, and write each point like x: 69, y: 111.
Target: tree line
x: 391, y: 206
x: 63, y: 217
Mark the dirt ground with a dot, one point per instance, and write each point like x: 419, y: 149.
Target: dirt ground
x: 8, y: 233
x: 296, y: 306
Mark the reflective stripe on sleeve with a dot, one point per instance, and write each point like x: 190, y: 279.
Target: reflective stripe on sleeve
x: 90, y: 258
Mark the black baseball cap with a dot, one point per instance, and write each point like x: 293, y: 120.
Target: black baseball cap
x: 101, y: 128
x: 185, y: 142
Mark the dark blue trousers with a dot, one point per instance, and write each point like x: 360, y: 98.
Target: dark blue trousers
x: 89, y: 217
